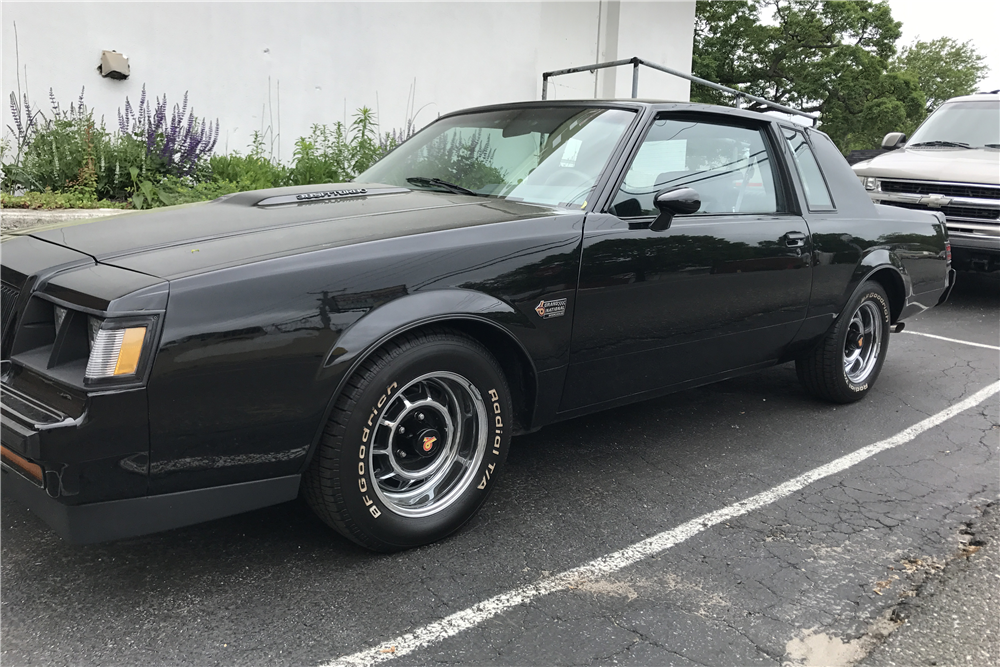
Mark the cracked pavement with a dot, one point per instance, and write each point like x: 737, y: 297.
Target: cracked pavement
x: 820, y: 577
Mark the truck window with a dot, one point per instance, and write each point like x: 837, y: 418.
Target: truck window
x: 728, y: 166
x: 817, y: 194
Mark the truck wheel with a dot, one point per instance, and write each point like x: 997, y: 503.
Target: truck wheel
x: 846, y: 363
x: 415, y: 442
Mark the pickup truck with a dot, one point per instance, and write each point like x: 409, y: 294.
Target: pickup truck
x: 374, y: 345
x: 952, y: 165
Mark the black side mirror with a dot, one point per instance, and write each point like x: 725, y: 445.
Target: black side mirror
x: 893, y: 140
x: 677, y: 201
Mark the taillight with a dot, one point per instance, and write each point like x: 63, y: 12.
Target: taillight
x: 947, y: 251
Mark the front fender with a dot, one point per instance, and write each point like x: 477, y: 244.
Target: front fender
x: 415, y: 310
x: 409, y: 312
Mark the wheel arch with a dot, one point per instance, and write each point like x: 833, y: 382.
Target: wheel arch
x: 472, y: 313
x: 892, y: 282
x: 885, y: 268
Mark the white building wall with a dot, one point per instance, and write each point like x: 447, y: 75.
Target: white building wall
x: 285, y: 66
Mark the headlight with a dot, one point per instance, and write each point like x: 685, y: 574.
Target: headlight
x: 870, y: 182
x: 115, y: 352
x: 58, y: 316
x: 93, y: 326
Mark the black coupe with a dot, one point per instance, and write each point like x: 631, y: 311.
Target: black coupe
x: 374, y: 345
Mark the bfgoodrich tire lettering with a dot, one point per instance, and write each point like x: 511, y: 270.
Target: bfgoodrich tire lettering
x: 415, y: 442
x: 844, y: 366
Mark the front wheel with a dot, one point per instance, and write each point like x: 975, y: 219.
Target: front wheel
x: 415, y: 442
x: 846, y: 363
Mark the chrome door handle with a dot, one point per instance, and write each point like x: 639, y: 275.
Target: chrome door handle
x: 795, y: 239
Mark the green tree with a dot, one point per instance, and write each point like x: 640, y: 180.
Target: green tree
x: 830, y: 58
x: 943, y: 68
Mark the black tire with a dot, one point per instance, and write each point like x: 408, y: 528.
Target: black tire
x: 838, y: 369
x: 434, y: 379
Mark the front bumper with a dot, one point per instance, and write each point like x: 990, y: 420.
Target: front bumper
x: 86, y: 475
x: 84, y: 451
x: 118, y: 519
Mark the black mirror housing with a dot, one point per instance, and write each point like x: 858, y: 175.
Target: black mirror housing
x: 671, y: 202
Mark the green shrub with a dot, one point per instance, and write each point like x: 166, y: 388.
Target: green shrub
x: 337, y: 154
x: 56, y: 200
x: 183, y: 191
x: 249, y: 172
x: 53, y: 149
x: 66, y: 159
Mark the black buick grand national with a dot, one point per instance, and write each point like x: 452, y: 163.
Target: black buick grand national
x: 375, y: 345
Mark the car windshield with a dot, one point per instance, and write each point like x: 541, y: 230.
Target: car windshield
x: 975, y: 124
x: 547, y: 155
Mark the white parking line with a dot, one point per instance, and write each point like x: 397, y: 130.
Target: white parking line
x: 951, y: 340
x: 434, y: 633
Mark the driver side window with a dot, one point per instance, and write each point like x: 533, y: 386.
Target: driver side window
x: 728, y: 166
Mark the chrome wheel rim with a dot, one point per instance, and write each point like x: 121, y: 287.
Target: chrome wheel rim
x: 428, y: 443
x: 864, y: 342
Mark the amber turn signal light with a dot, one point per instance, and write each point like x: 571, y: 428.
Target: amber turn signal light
x: 128, y: 357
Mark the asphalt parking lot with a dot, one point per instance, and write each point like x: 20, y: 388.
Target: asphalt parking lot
x: 808, y: 574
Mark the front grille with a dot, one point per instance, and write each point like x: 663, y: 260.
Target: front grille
x: 8, y: 297
x: 951, y: 211
x: 946, y: 189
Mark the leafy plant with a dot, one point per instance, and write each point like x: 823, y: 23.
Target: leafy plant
x: 26, y: 122
x: 176, y: 144
x: 53, y: 151
x: 161, y: 156
x: 69, y: 150
x: 184, y: 191
x: 336, y: 154
x: 145, y: 194
x: 247, y: 171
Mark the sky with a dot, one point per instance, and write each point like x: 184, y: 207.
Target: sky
x: 963, y: 20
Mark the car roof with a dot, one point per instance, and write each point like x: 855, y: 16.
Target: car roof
x: 637, y: 105
x: 990, y: 97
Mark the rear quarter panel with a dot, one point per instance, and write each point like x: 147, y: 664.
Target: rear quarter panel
x: 861, y: 237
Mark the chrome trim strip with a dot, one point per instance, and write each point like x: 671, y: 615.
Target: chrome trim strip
x: 941, y: 200
x: 957, y: 225
x: 955, y: 183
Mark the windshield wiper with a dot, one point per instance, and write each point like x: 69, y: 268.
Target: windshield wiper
x: 950, y: 144
x: 457, y: 189
x: 991, y: 145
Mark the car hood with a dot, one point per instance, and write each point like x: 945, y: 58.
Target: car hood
x: 184, y: 240
x: 955, y: 165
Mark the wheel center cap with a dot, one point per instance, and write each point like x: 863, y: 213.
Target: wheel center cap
x: 428, y: 442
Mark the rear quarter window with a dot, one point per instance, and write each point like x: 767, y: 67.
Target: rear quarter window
x: 814, y: 185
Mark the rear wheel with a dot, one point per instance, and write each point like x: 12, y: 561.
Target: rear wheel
x: 846, y: 363
x: 415, y: 442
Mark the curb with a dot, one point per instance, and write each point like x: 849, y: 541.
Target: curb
x: 17, y: 219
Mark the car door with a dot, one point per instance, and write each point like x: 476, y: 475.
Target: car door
x: 720, y: 290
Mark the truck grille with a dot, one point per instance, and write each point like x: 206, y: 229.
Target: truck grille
x: 946, y: 189
x: 952, y: 211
